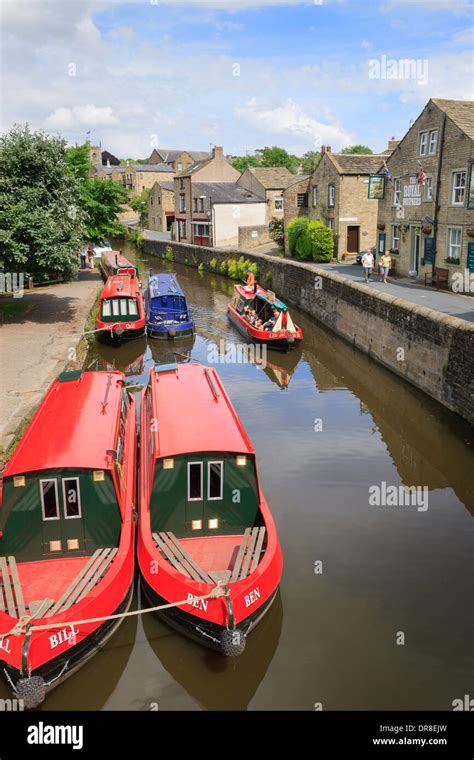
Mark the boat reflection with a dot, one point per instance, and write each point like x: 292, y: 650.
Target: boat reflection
x: 214, y: 681
x: 280, y: 371
x: 128, y: 358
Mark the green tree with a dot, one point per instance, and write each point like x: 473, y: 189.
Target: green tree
x: 279, y: 157
x: 357, y: 149
x: 41, y: 221
x: 277, y: 231
x: 139, y: 203
x: 310, y: 161
x: 100, y: 199
x: 242, y: 162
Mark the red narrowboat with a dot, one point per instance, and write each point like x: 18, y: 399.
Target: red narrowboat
x: 67, y: 531
x: 203, y: 519
x: 262, y: 318
x: 122, y: 310
x: 114, y: 262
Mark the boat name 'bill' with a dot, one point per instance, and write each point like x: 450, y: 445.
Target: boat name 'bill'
x: 252, y: 597
x: 201, y: 604
x: 66, y: 634
x: 4, y: 645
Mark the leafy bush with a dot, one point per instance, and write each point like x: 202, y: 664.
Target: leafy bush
x: 186, y: 262
x: 223, y: 267
x: 213, y: 264
x: 169, y: 254
x: 201, y: 267
x: 277, y: 231
x: 136, y: 237
x: 310, y: 239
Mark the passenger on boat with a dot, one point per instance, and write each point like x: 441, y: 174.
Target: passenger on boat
x: 269, y: 324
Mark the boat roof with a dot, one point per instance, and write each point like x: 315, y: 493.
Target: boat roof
x: 120, y: 285
x: 164, y: 284
x: 265, y: 295
x: 194, y: 412
x: 116, y: 258
x: 74, y: 426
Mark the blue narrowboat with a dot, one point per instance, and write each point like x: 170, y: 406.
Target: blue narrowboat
x: 167, y: 312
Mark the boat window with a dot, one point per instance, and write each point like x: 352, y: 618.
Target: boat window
x: 215, y: 480
x: 71, y: 497
x: 194, y: 481
x: 49, y: 499
x: 132, y: 307
x: 123, y: 307
x: 115, y: 307
x: 106, y: 309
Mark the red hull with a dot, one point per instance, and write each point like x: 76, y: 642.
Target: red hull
x: 282, y: 339
x: 119, y: 287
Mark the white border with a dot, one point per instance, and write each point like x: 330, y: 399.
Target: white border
x: 66, y: 516
x: 200, y: 498
x: 209, y: 497
x: 55, y: 481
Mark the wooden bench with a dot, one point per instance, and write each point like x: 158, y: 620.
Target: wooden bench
x: 11, y: 595
x: 439, y: 278
x: 89, y: 576
x: 179, y: 557
x: 248, y: 556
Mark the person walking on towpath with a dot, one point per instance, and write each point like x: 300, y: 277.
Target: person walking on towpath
x: 367, y: 264
x: 385, y: 262
x: 83, y: 255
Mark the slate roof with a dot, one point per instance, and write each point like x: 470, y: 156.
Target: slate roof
x: 152, y: 167
x: 461, y: 112
x: 172, y: 155
x: 357, y: 163
x: 166, y: 185
x: 273, y: 177
x: 225, y: 192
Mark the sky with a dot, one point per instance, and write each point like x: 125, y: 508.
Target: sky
x: 243, y: 74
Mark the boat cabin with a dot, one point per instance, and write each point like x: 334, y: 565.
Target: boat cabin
x: 202, y: 472
x: 120, y: 300
x: 263, y: 301
x: 63, y: 488
x: 166, y: 300
x: 114, y: 262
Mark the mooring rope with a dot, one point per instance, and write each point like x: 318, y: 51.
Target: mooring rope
x: 24, y: 623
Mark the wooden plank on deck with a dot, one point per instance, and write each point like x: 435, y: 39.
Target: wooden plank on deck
x: 240, y: 556
x: 258, y: 549
x: 194, y: 569
x: 170, y: 555
x: 20, y: 604
x: 7, y: 588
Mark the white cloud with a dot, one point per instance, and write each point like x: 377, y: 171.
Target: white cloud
x: 464, y: 37
x: 88, y: 116
x: 457, y: 7
x: 291, y: 119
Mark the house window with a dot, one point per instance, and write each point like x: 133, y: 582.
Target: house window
x: 195, y: 204
x: 423, y: 143
x: 151, y: 201
x: 182, y: 229
x: 194, y: 481
x: 182, y: 202
x: 397, y: 189
x: 395, y: 237
x: 459, y: 188
x: 428, y: 188
x: 454, y: 243
x: 215, y: 480
x: 71, y: 498
x: 201, y: 204
x: 432, y: 142
x: 330, y: 224
x: 278, y: 202
x: 180, y: 166
x: 49, y: 499
x: 159, y: 201
x: 181, y: 183
x: 332, y: 196
x: 302, y: 200
x: 315, y: 196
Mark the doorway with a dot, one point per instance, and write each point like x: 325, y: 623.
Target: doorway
x: 353, y: 239
x: 415, y: 250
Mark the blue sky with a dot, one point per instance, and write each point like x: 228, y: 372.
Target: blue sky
x: 244, y: 74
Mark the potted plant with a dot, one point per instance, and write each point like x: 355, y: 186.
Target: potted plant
x: 452, y: 260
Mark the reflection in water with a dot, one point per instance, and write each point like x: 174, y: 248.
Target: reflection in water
x: 385, y: 569
x: 216, y: 682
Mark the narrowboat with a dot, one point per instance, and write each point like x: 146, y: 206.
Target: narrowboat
x: 282, y: 334
x: 114, y: 262
x: 167, y: 312
x: 204, y: 525
x: 121, y: 313
x: 67, y: 531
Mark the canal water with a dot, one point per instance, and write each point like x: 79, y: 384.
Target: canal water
x: 375, y: 609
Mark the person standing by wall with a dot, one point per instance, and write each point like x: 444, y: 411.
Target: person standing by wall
x: 368, y: 264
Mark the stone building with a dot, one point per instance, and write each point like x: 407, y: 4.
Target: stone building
x: 338, y: 197
x: 95, y: 156
x: 295, y: 201
x: 268, y: 183
x: 138, y: 177
x: 161, y: 212
x: 431, y: 224
x: 180, y: 160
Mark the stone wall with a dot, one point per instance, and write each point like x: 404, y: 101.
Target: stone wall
x: 433, y: 351
x: 247, y: 240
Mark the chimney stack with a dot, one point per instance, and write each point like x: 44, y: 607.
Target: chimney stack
x: 217, y: 152
x: 325, y: 149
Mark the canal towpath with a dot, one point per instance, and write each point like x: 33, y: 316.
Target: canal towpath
x: 38, y: 343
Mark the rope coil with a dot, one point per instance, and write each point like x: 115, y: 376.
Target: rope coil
x: 24, y: 624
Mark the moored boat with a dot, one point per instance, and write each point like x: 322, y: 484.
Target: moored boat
x: 266, y: 309
x: 167, y: 312
x: 114, y: 262
x: 67, y: 531
x: 204, y: 523
x: 121, y: 313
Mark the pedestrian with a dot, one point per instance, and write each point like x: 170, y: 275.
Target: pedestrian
x: 90, y: 255
x: 385, y: 262
x: 83, y: 256
x: 368, y: 263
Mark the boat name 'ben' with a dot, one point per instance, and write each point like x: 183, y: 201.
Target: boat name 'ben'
x: 252, y: 597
